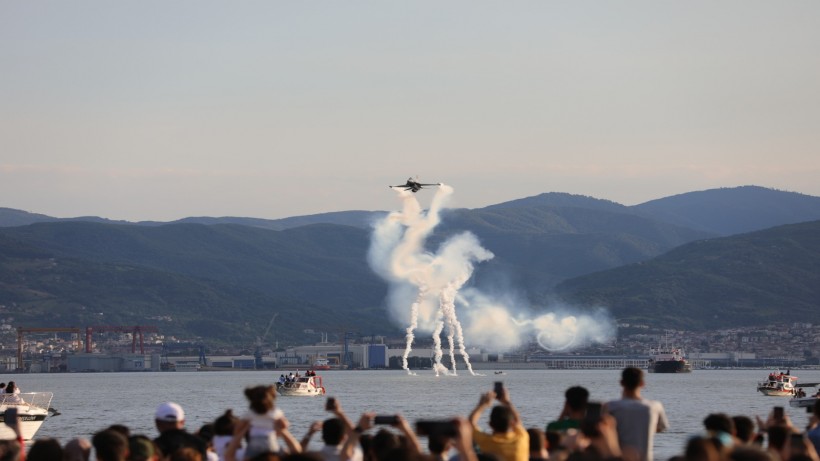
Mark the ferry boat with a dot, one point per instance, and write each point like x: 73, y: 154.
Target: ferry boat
x: 187, y: 366
x: 321, y: 364
x: 778, y: 385
x: 32, y: 409
x: 668, y: 360
x: 302, y: 386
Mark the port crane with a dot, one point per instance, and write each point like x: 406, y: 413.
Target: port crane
x: 257, y: 353
x: 136, y: 332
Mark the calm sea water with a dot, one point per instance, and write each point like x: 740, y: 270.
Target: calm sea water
x: 91, y: 401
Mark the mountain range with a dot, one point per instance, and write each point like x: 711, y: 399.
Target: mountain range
x: 722, y: 257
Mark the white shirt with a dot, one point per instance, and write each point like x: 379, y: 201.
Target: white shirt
x: 637, y: 422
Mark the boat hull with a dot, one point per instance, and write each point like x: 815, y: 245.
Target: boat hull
x: 776, y: 393
x: 670, y: 366
x: 803, y: 402
x: 32, y: 409
x: 781, y: 387
x: 310, y: 386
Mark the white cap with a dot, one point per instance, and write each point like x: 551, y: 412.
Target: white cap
x: 169, y: 412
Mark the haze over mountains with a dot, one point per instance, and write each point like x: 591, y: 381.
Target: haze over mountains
x: 673, y: 262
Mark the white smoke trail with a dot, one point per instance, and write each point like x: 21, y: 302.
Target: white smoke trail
x: 437, y: 352
x: 398, y: 254
x: 410, y: 332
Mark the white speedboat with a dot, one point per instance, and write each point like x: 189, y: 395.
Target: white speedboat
x: 32, y: 408
x: 302, y: 386
x: 802, y: 402
x: 778, y: 385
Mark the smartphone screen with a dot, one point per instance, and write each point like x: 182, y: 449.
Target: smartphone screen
x: 390, y: 419
x: 778, y: 413
x: 437, y: 428
x: 330, y: 405
x: 499, y: 388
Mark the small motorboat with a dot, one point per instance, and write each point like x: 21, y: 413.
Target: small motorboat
x: 778, y: 385
x: 801, y: 400
x: 500, y: 373
x: 32, y: 409
x: 302, y: 386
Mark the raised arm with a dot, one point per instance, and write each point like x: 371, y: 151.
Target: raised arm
x: 353, y: 435
x: 483, y: 402
x: 315, y: 427
x: 504, y: 399
x: 239, y: 430
x: 281, y: 426
x: 409, y: 433
x: 336, y: 409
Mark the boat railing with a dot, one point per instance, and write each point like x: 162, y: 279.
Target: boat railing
x: 31, y: 399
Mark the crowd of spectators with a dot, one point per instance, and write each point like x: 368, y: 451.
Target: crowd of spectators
x: 585, y: 430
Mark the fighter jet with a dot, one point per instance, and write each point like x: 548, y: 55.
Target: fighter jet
x: 413, y: 185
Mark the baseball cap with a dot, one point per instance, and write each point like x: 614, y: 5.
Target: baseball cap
x: 170, y: 412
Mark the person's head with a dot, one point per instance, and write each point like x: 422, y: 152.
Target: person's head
x: 554, y: 440
x: 168, y: 416
x: 817, y: 407
x: 141, y: 448
x: 77, y: 450
x: 9, y: 450
x: 206, y: 432
x: 577, y: 398
x: 744, y: 428
x: 121, y: 428
x: 383, y: 443
x: 719, y: 422
x: 261, y: 398
x: 538, y: 442
x: 185, y: 454
x: 10, y: 387
x: 632, y: 378
x: 778, y: 436
x: 438, y: 444
x: 110, y: 445
x: 701, y: 449
x: 47, y: 449
x: 223, y: 425
x: 333, y: 431
x: 502, y: 418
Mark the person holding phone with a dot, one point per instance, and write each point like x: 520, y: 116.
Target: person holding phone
x: 575, y: 408
x: 335, y: 432
x: 509, y: 440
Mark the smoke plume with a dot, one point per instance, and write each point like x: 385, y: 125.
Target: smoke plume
x: 426, y: 292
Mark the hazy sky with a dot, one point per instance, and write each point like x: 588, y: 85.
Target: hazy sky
x: 164, y: 109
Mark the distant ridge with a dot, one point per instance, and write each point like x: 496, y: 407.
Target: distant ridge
x: 728, y: 211
x: 764, y: 277
x: 313, y: 269
x: 561, y: 199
